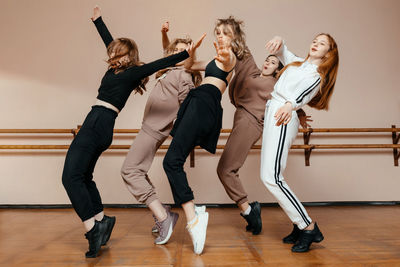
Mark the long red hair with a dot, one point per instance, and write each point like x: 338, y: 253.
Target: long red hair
x: 328, y: 71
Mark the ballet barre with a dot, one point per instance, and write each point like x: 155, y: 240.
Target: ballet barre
x: 308, y: 148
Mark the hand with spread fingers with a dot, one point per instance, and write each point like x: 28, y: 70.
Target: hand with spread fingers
x: 224, y: 53
x: 193, y: 46
x: 274, y: 45
x: 304, y: 121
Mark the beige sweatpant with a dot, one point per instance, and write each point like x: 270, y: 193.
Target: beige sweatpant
x: 245, y: 132
x: 136, y: 165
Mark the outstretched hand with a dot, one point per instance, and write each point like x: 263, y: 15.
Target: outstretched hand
x: 96, y: 13
x: 274, y: 44
x: 193, y: 46
x: 223, y: 52
x: 165, y: 27
x: 304, y: 121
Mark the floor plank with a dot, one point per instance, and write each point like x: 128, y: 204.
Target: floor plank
x: 354, y: 236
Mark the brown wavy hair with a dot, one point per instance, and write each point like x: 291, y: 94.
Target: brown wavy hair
x: 238, y: 43
x: 328, y: 71
x: 280, y: 66
x: 119, y: 48
x: 196, y: 75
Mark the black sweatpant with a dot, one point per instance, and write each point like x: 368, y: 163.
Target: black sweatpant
x: 198, y: 122
x: 93, y: 138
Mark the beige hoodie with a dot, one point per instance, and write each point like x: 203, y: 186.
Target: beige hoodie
x: 164, y: 101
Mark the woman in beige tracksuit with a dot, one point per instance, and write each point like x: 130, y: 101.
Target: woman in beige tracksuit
x: 171, y: 88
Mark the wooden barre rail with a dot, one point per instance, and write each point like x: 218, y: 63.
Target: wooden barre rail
x: 306, y: 137
x: 310, y: 130
x: 333, y: 146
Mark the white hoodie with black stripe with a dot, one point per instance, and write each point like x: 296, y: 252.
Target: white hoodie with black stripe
x: 297, y: 85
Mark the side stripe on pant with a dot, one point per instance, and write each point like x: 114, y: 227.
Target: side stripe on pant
x: 278, y: 158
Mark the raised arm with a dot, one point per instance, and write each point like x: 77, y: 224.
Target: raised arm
x: 225, y: 58
x: 101, y: 27
x: 277, y: 46
x: 164, y: 35
x: 191, y: 63
x: 150, y: 68
x: 140, y: 72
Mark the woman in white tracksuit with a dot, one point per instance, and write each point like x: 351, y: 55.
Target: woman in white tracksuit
x: 302, y: 81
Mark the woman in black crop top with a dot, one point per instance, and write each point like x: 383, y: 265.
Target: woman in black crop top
x: 212, y: 70
x: 125, y: 74
x: 199, y: 122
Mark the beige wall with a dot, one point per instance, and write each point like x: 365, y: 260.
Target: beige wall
x: 52, y: 61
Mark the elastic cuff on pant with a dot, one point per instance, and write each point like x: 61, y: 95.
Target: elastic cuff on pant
x: 302, y: 225
x: 87, y: 217
x: 241, y: 201
x: 97, y: 211
x: 150, y: 199
x: 183, y: 201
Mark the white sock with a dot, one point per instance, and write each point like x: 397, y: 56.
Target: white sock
x: 247, y: 211
x: 192, y: 221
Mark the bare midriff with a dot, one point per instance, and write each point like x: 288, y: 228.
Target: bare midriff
x: 220, y: 84
x: 106, y: 105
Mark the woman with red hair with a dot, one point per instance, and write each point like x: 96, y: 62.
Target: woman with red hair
x: 302, y: 81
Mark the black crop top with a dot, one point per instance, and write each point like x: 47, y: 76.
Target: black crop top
x: 115, y: 88
x: 212, y: 70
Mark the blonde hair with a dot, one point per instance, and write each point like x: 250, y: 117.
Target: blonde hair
x: 328, y: 72
x: 232, y: 25
x: 196, y: 75
x: 171, y: 47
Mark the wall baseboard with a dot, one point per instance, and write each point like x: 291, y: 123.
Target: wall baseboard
x: 129, y: 206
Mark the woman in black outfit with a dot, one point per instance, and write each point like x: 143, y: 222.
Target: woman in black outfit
x: 199, y: 122
x: 125, y: 74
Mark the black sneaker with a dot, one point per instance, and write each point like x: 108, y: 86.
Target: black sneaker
x: 95, y: 237
x: 109, y: 222
x: 254, y: 223
x: 293, y: 236
x: 306, y: 238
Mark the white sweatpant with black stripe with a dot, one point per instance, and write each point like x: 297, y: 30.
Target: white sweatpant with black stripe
x: 276, y: 143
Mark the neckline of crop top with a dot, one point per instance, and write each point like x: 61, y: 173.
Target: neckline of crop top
x: 212, y: 70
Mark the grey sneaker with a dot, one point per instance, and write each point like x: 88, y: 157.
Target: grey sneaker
x: 198, y: 232
x: 166, y: 228
x: 154, y: 229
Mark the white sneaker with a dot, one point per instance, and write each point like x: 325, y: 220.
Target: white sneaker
x: 200, y: 209
x: 198, y: 232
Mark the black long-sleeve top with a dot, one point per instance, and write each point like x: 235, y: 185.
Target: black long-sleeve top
x: 115, y: 88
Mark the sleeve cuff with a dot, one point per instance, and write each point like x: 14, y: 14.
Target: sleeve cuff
x: 293, y: 103
x: 184, y: 54
x: 97, y: 21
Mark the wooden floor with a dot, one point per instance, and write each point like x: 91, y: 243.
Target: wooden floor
x: 354, y: 236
